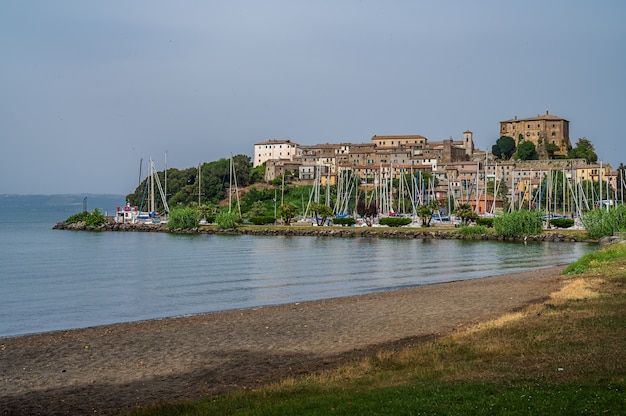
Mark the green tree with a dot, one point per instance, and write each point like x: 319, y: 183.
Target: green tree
x: 258, y: 209
x: 425, y: 212
x: 526, y: 151
x: 552, y: 149
x: 257, y: 174
x: 287, y: 212
x: 504, y: 147
x: 465, y: 212
x: 322, y: 212
x: 584, y: 150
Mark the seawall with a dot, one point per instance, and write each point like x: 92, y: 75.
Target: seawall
x: 344, y: 232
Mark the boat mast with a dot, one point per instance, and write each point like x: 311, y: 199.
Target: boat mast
x: 199, y: 183
x: 151, y: 185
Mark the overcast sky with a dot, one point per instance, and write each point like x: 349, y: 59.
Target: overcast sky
x: 88, y: 89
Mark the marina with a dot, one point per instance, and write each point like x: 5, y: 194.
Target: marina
x: 55, y: 280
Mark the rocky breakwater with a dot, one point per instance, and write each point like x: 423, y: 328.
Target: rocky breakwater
x: 351, y: 232
x: 341, y: 232
x: 111, y: 226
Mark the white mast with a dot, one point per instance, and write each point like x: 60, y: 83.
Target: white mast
x: 151, y: 185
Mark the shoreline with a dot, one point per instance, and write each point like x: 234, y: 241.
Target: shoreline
x: 332, y: 231
x: 111, y: 369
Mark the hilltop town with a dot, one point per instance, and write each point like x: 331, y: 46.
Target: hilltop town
x: 460, y: 169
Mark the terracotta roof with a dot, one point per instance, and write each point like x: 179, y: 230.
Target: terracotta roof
x: 399, y: 137
x: 276, y: 142
x: 545, y: 116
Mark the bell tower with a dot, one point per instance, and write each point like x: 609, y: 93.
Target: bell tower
x: 468, y: 142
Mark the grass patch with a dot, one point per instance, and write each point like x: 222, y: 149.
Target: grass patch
x: 566, y: 356
x: 597, y: 259
x: 473, y: 231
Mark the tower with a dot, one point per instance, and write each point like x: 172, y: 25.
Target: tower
x: 468, y: 142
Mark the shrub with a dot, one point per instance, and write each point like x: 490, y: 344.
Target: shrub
x: 344, y: 221
x: 468, y: 231
x: 601, y: 223
x: 522, y: 222
x: 262, y: 219
x: 91, y: 219
x: 395, y: 221
x: 486, y: 222
x: 562, y: 222
x: 80, y: 217
x: 95, y: 219
x: 227, y: 220
x: 183, y: 219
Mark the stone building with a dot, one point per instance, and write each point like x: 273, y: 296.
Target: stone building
x: 540, y: 130
x: 275, y: 150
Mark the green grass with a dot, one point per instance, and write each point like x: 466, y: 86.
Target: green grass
x: 563, y: 357
x: 597, y: 259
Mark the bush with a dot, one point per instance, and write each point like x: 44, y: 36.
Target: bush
x: 262, y: 219
x: 395, y: 221
x: 227, y: 220
x: 601, y: 223
x: 80, y: 217
x: 486, y: 222
x: 518, y: 223
x: 562, y: 222
x: 468, y: 231
x: 95, y: 219
x: 183, y: 219
x: 344, y: 221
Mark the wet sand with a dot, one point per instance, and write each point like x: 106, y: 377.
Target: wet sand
x: 111, y: 369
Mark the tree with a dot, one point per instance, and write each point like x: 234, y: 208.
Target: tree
x: 425, y: 212
x: 466, y: 213
x: 504, y: 147
x: 287, y: 212
x: 526, y: 151
x: 583, y: 150
x: 322, y: 212
x: 552, y: 149
x: 367, y: 212
x: 258, y: 209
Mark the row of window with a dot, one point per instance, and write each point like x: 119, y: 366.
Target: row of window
x: 538, y: 126
x: 280, y: 146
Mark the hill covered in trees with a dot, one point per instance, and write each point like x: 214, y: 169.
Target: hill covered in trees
x: 208, y: 183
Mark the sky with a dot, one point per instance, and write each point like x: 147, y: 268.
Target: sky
x: 90, y: 89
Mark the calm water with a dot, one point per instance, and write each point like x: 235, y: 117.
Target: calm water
x: 52, y: 280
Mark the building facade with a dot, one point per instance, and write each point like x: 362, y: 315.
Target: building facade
x: 274, y: 150
x: 541, y: 130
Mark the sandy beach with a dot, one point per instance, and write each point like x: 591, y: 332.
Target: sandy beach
x: 109, y: 370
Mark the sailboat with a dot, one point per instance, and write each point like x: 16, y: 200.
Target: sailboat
x: 134, y: 214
